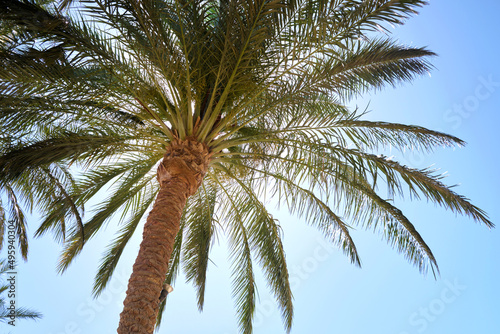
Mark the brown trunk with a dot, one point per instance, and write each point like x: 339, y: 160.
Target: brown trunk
x: 180, y: 174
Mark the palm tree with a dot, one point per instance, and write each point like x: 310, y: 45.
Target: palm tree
x: 194, y: 111
x: 6, y: 315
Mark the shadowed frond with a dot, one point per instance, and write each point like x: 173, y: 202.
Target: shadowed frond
x: 130, y: 188
x: 244, y: 290
x: 62, y: 147
x: 17, y: 218
x: 115, y: 249
x: 265, y: 238
x: 199, y: 234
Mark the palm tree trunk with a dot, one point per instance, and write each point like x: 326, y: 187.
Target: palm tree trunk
x: 180, y: 175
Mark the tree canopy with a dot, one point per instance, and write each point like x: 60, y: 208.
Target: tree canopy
x: 93, y: 92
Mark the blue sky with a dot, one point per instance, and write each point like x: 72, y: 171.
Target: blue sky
x: 387, y: 295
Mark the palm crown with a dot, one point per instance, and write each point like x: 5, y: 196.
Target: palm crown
x: 104, y: 89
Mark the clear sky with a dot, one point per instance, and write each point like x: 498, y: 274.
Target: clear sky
x: 387, y: 295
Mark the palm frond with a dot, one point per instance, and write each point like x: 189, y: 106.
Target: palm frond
x: 198, y: 238
x: 372, y: 135
x: 21, y: 313
x: 265, y: 239
x: 115, y: 249
x: 244, y: 290
x: 129, y: 188
x: 65, y: 146
x: 18, y: 219
x: 422, y: 181
x: 372, y: 64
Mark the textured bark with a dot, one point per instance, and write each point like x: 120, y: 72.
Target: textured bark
x: 180, y: 174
